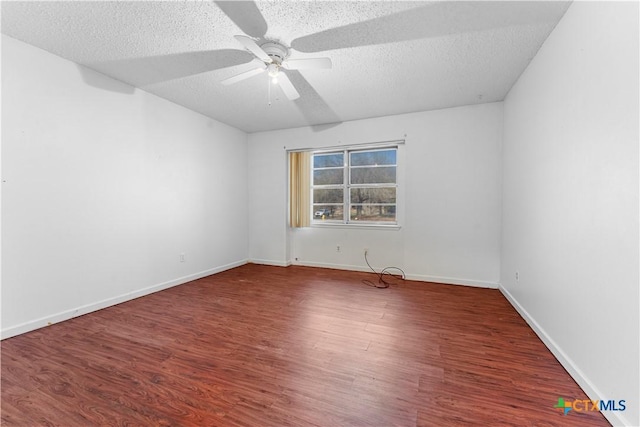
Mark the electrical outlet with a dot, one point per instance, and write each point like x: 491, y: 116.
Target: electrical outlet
x: 517, y: 276
x: 338, y: 248
x: 181, y: 257
x: 366, y: 251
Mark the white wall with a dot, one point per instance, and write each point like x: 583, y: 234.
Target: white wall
x: 451, y: 184
x: 103, y: 189
x: 571, y: 199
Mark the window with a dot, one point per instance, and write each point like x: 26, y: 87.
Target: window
x: 356, y: 186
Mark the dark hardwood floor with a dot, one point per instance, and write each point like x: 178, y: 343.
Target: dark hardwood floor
x: 270, y: 346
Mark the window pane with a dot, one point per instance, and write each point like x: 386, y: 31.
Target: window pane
x: 328, y: 176
x: 373, y: 158
x: 334, y: 212
x: 373, y: 195
x: 379, y: 175
x: 333, y: 195
x: 328, y: 160
x: 368, y: 195
x: 377, y: 213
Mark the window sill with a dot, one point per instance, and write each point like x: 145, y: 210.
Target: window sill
x: 357, y: 226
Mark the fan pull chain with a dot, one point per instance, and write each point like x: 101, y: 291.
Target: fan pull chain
x: 269, y: 89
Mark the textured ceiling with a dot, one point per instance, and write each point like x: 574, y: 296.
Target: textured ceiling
x: 388, y: 57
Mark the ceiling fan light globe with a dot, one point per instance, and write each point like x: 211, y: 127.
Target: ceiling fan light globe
x: 273, y: 70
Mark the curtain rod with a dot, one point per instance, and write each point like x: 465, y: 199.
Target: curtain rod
x: 349, y: 146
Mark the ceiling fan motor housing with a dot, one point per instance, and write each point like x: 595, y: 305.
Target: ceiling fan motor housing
x: 276, y: 51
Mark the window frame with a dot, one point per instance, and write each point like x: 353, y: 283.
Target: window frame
x: 347, y: 185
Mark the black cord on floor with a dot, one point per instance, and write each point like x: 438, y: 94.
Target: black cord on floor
x: 381, y: 282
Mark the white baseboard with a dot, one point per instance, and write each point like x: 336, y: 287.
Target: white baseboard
x: 99, y: 305
x: 331, y: 266
x: 417, y: 277
x: 453, y: 281
x: 270, y: 262
x: 615, y: 418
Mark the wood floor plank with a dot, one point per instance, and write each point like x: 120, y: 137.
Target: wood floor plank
x: 270, y: 346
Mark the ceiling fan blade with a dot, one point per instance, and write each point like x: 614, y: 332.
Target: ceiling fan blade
x: 307, y: 63
x: 287, y: 87
x: 252, y: 47
x: 318, y: 114
x: 140, y: 72
x: 246, y: 16
x: 385, y: 29
x: 433, y: 20
x: 242, y: 76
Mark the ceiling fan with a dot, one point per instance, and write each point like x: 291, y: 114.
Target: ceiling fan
x: 274, y: 57
x: 429, y: 19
